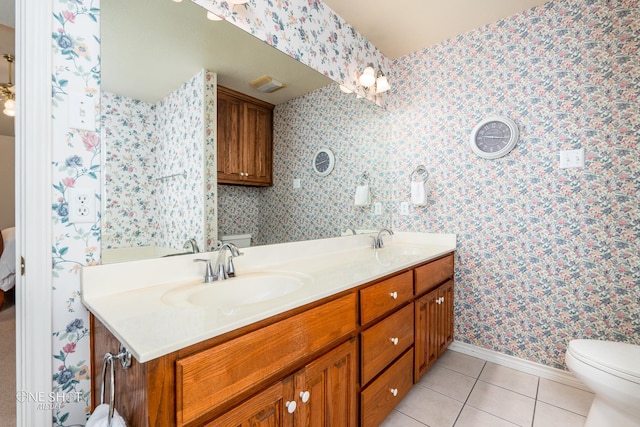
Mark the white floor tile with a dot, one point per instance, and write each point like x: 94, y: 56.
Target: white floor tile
x: 462, y: 363
x: 565, y: 397
x: 398, y: 419
x: 550, y: 416
x: 448, y: 382
x: 503, y: 403
x: 429, y: 407
x: 511, y: 379
x: 472, y: 417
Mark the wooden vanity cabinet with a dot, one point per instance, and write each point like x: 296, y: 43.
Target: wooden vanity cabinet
x: 433, y: 313
x: 244, y: 139
x: 386, y: 346
x: 357, y: 355
x: 321, y: 394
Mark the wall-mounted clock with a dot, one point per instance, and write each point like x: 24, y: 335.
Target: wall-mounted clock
x: 494, y: 137
x: 323, y: 161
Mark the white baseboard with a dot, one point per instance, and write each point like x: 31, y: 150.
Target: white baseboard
x: 540, y: 370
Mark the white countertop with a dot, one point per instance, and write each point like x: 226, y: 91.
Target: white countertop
x: 144, y: 304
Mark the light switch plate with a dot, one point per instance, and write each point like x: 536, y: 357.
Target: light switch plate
x: 572, y: 158
x: 377, y: 208
x: 404, y: 208
x: 82, y: 112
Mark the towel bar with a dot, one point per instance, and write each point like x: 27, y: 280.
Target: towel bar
x: 125, y: 361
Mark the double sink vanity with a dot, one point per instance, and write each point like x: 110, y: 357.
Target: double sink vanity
x: 328, y: 332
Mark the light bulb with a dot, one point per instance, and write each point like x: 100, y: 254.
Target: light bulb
x: 367, y: 79
x: 213, y: 17
x: 10, y: 108
x: 382, y: 85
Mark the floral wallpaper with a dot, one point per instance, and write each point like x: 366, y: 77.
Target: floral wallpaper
x: 75, y: 164
x: 145, y: 144
x: 308, y: 31
x: 544, y: 254
x: 130, y: 145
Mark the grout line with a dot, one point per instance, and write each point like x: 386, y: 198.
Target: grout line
x: 469, y: 394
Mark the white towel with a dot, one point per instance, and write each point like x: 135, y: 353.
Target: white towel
x: 100, y: 418
x: 363, y: 195
x: 418, y: 193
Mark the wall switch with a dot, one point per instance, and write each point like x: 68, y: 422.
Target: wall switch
x: 404, y: 208
x: 296, y: 183
x: 572, y: 158
x: 377, y: 208
x: 82, y: 205
x: 82, y: 112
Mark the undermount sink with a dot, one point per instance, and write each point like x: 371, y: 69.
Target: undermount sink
x: 238, y: 291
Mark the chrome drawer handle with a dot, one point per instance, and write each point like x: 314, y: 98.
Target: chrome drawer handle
x: 394, y: 295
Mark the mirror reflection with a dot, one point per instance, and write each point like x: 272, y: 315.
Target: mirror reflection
x: 160, y: 65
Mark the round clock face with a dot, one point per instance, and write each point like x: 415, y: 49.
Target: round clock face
x: 323, y: 162
x: 494, y: 137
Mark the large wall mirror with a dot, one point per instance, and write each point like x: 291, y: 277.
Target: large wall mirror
x: 160, y: 63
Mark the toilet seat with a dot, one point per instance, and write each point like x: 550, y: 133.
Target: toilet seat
x: 615, y: 358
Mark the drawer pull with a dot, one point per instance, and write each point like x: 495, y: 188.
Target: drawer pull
x: 440, y: 300
x: 304, y: 395
x: 394, y: 391
x: 394, y: 340
x: 291, y: 406
x: 394, y: 295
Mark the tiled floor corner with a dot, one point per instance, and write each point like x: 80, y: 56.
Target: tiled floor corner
x: 464, y: 391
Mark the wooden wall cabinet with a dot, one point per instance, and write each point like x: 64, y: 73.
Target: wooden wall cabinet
x: 244, y: 139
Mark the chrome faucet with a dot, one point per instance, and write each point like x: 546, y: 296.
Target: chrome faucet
x: 377, y: 241
x: 224, y: 271
x: 191, y: 245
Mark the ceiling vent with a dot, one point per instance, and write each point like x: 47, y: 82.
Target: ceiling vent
x: 267, y: 84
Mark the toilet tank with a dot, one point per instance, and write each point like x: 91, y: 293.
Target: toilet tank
x: 240, y: 240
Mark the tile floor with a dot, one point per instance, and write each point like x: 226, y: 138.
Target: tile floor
x: 464, y: 391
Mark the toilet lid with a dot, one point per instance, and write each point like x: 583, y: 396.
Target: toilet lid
x: 617, y: 358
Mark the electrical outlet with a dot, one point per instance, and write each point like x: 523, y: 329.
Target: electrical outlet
x: 377, y: 208
x: 82, y: 205
x: 404, y: 208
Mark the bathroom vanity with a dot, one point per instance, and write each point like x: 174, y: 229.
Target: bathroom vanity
x: 342, y: 349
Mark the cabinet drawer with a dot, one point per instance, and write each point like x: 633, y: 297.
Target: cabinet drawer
x: 207, y: 379
x: 385, y: 341
x: 378, y: 399
x: 385, y: 296
x: 433, y: 274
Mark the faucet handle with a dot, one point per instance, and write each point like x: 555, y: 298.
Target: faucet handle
x: 208, y: 274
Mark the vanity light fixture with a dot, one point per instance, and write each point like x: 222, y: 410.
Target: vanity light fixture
x: 373, y: 81
x: 7, y: 90
x: 267, y: 84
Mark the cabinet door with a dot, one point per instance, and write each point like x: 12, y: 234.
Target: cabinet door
x: 257, y: 149
x: 266, y: 409
x: 330, y: 382
x: 230, y: 128
x: 426, y: 331
x: 445, y: 316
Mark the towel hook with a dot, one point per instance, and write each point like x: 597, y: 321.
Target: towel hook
x: 419, y: 172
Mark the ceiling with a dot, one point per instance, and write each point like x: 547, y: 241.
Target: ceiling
x: 405, y: 26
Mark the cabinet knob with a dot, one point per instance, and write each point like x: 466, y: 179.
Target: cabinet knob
x: 394, y: 391
x: 394, y: 295
x: 394, y: 340
x: 291, y: 406
x: 304, y: 396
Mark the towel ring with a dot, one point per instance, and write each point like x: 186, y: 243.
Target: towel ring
x: 419, y: 173
x: 363, y: 178
x: 125, y: 361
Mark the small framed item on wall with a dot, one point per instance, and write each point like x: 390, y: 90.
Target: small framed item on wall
x: 323, y: 161
x: 494, y: 137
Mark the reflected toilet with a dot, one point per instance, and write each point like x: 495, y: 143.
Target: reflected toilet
x: 240, y: 240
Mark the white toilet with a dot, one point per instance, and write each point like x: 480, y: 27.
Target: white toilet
x: 612, y: 371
